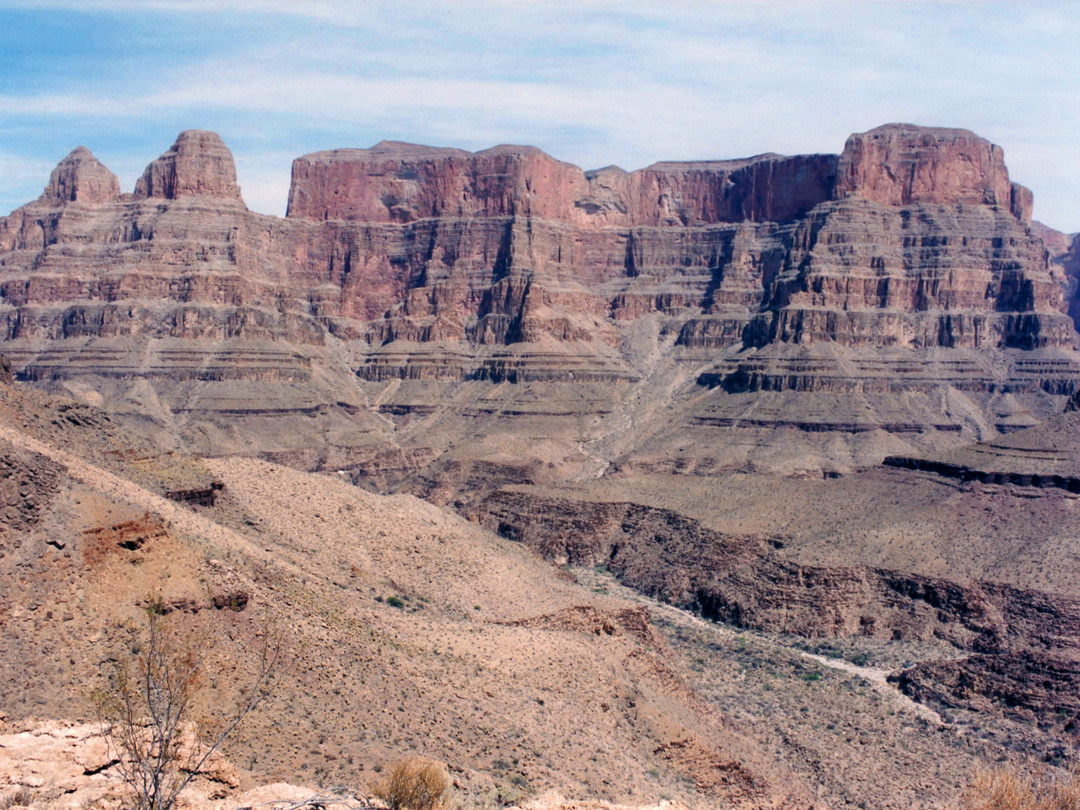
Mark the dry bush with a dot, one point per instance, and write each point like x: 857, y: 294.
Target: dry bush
x: 1016, y: 789
x: 147, y: 707
x: 20, y: 797
x: 415, y: 784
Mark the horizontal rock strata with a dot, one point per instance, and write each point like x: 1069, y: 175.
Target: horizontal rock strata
x: 905, y: 264
x: 741, y: 579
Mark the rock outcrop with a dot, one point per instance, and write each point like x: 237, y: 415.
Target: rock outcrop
x: 399, y: 182
x: 747, y: 581
x: 80, y: 177
x: 1027, y: 687
x: 197, y: 164
x: 1064, y: 252
x: 903, y: 164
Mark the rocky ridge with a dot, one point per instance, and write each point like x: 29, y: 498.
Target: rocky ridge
x: 399, y: 639
x: 405, y: 278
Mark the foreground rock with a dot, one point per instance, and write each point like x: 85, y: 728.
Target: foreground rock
x: 70, y: 766
x: 67, y: 766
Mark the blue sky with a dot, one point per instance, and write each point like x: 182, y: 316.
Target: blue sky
x: 590, y: 82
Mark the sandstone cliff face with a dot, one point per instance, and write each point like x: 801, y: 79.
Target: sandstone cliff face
x: 197, y: 164
x: 398, y: 182
x: 80, y: 177
x: 409, y: 263
x: 901, y: 164
x: 849, y: 272
x: 1064, y: 254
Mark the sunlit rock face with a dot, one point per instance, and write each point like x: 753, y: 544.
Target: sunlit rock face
x: 80, y: 177
x: 198, y: 164
x: 812, y: 274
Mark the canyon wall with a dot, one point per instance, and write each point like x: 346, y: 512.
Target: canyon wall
x: 401, y: 267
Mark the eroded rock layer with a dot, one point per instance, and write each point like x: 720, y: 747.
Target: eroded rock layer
x: 409, y: 283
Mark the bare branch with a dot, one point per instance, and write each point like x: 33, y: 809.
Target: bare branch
x: 146, y: 714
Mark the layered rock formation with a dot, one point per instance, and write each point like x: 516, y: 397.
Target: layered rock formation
x: 447, y: 323
x: 399, y: 182
x: 407, y: 276
x: 966, y: 557
x: 1064, y: 250
x: 169, y: 303
x: 901, y: 164
x: 80, y: 177
x: 198, y: 165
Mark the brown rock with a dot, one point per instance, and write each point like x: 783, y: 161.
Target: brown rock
x: 901, y: 164
x: 398, y: 182
x: 1030, y: 687
x: 80, y: 177
x: 405, y: 263
x: 1064, y: 255
x: 197, y: 164
x: 764, y: 188
x: 1021, y: 202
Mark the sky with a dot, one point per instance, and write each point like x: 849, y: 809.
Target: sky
x: 590, y: 82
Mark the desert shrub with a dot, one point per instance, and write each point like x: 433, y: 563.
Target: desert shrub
x: 1015, y: 789
x: 414, y: 784
x: 20, y: 797
x: 147, y: 712
x: 395, y: 601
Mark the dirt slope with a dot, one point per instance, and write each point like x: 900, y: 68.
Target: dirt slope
x: 406, y: 629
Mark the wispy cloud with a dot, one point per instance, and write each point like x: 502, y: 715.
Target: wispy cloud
x: 591, y: 82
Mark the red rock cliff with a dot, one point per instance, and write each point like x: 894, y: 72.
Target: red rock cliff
x: 399, y: 182
x: 398, y: 246
x: 396, y: 182
x: 198, y: 164
x: 80, y: 177
x: 902, y: 164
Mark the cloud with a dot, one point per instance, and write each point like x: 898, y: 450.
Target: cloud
x: 590, y: 82
x: 23, y: 175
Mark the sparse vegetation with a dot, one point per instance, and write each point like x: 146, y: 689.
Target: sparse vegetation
x: 147, y: 712
x: 415, y: 784
x: 1017, y: 789
x: 20, y: 797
